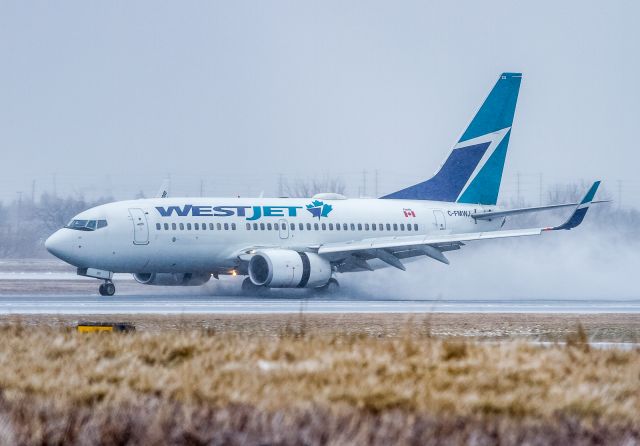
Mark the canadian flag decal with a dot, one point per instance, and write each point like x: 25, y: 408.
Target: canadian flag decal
x: 409, y: 213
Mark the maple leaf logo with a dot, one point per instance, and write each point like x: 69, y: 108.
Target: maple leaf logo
x: 319, y: 209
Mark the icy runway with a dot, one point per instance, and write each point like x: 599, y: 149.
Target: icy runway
x: 181, y: 304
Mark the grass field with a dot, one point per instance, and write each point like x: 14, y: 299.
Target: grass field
x: 300, y: 380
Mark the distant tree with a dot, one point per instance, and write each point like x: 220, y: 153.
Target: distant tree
x: 25, y: 225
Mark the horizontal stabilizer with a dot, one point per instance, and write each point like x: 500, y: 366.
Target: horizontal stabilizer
x: 163, y: 192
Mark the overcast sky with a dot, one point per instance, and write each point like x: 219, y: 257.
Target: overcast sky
x: 114, y: 96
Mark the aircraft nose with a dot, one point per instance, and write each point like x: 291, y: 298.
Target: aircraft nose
x: 54, y: 244
x: 60, y: 244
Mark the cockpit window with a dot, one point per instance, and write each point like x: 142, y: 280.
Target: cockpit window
x: 86, y: 225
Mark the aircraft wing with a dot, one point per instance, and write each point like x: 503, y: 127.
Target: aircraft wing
x: 391, y: 250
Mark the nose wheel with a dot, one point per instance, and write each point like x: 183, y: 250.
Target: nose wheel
x: 107, y: 288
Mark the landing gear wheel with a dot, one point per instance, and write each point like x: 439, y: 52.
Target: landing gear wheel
x: 248, y: 287
x: 331, y: 287
x: 107, y: 289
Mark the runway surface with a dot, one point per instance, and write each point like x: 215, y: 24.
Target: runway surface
x: 190, y: 304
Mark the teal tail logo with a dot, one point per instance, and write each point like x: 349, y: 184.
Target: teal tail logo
x: 473, y: 171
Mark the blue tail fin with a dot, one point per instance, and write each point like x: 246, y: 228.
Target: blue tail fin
x: 473, y: 171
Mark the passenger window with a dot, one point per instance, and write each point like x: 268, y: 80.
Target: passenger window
x: 353, y: 226
x: 248, y: 226
x: 226, y: 226
x: 292, y: 226
x: 203, y: 226
x: 366, y: 226
x: 359, y: 226
x: 402, y: 226
x: 330, y: 226
x: 188, y: 226
x: 269, y: 227
x: 415, y: 227
x: 301, y: 226
x: 408, y: 227
x: 196, y: 226
x: 388, y: 227
x: 380, y: 227
x: 219, y: 226
x: 158, y: 226
x: 395, y: 226
x: 173, y: 226
x: 308, y: 226
x: 276, y: 226
x: 262, y: 226
x: 324, y: 227
x: 337, y: 226
x: 255, y: 226
x: 166, y: 226
x: 233, y: 226
x: 344, y: 226
x: 211, y: 226
x: 315, y: 226
x: 182, y: 226
x: 373, y: 227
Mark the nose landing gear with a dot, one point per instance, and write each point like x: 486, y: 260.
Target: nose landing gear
x: 107, y: 288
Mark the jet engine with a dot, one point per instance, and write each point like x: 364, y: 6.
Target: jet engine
x: 172, y: 279
x: 284, y: 268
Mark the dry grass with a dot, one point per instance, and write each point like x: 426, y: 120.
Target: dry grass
x: 296, y: 386
x: 622, y: 327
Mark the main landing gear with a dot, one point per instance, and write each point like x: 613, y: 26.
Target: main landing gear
x: 248, y: 287
x: 107, y: 288
x: 331, y: 287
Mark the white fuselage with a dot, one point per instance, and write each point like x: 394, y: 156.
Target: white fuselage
x: 208, y: 234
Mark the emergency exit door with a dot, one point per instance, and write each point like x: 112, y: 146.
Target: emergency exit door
x: 283, y: 229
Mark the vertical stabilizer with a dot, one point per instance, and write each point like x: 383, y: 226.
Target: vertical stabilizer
x: 472, y: 172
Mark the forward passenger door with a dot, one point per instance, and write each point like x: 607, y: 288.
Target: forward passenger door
x: 140, y: 226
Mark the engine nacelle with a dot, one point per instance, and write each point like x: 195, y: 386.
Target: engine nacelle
x: 284, y: 268
x: 172, y: 279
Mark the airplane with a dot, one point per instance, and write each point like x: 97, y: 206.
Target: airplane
x: 305, y: 243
